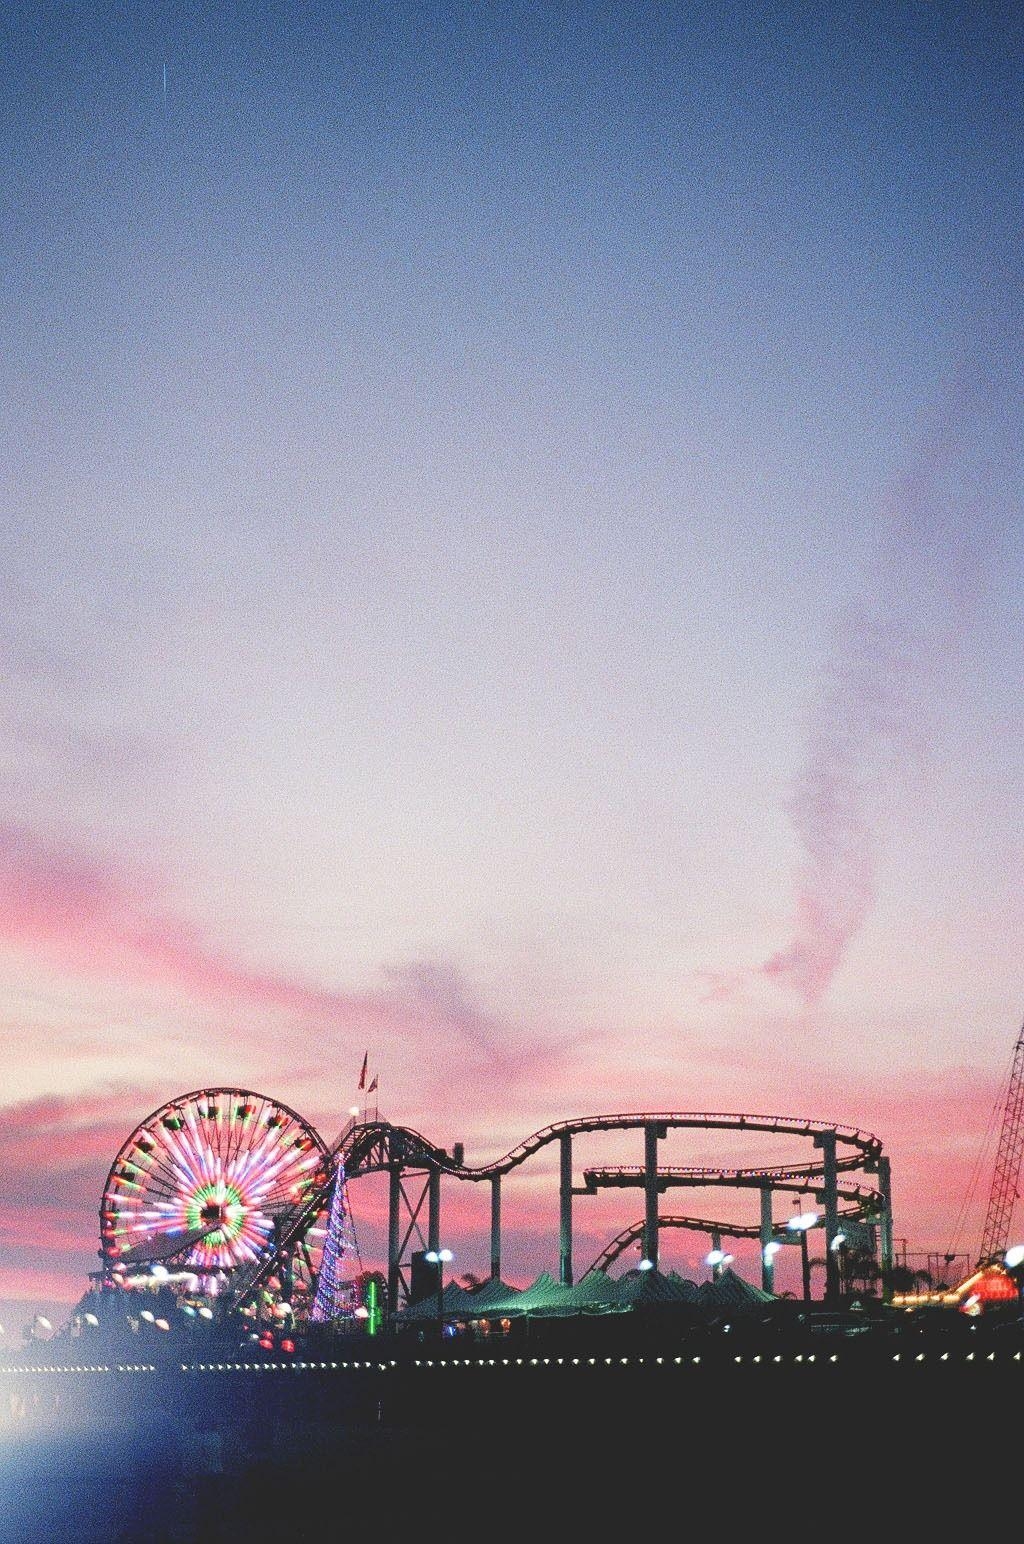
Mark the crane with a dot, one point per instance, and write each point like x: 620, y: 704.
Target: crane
x: 1006, y: 1176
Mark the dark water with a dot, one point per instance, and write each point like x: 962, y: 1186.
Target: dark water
x: 745, y: 1448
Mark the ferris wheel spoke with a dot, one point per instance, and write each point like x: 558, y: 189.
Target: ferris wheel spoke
x: 166, y: 1173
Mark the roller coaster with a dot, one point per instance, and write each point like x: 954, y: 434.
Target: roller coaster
x: 232, y: 1188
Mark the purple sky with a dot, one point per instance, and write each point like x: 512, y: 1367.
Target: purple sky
x: 510, y: 557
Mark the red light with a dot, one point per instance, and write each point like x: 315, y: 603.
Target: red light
x: 288, y: 1346
x: 996, y: 1287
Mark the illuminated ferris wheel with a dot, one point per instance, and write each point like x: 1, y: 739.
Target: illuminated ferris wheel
x: 203, y: 1182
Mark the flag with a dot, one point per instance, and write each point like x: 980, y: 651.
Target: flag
x: 373, y: 1086
x: 362, y: 1075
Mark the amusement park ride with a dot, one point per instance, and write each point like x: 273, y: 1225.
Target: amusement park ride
x: 995, y: 1278
x: 202, y: 1194
x: 233, y: 1201
x: 1006, y: 1175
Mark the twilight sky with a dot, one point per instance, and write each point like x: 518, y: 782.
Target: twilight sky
x: 510, y: 557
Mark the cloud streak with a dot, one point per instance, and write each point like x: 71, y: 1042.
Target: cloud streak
x: 828, y: 808
x: 886, y: 647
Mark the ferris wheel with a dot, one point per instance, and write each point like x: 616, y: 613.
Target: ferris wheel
x: 204, y: 1180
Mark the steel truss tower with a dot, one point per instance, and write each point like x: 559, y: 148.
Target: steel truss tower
x: 1006, y: 1178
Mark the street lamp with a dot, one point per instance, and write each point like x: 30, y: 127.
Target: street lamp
x: 802, y: 1223
x: 769, y: 1250
x: 718, y: 1260
x: 438, y: 1257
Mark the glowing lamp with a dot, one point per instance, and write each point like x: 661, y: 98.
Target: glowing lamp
x: 802, y: 1222
x: 1014, y: 1256
x: 646, y: 1265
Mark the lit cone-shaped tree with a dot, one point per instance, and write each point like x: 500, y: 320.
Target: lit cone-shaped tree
x: 335, y: 1296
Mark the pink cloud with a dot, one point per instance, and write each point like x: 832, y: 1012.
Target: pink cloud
x: 99, y: 919
x: 54, y: 1158
x: 96, y: 918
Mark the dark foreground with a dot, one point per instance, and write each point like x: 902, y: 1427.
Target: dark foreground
x: 747, y: 1436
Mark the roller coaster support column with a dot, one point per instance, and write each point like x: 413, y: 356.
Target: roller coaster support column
x: 565, y: 1209
x: 651, y: 1134
x: 767, y: 1234
x: 827, y: 1143
x: 434, y: 1210
x: 495, y: 1227
x: 885, y: 1186
x: 394, y: 1235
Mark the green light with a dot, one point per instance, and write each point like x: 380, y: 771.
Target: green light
x: 373, y: 1304
x: 230, y: 1212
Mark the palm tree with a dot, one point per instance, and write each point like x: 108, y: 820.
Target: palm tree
x: 859, y: 1271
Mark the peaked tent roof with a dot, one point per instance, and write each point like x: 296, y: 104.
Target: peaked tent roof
x: 492, y: 1293
x: 596, y: 1293
x: 596, y: 1288
x: 545, y: 1295
x: 731, y: 1291
x: 453, y: 1301
x: 638, y: 1288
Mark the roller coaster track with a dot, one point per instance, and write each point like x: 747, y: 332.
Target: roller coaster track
x: 376, y: 1145
x: 796, y: 1181
x: 635, y: 1231
x: 290, y: 1227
